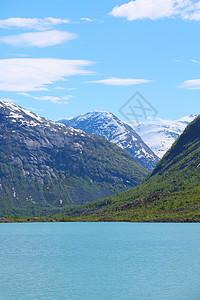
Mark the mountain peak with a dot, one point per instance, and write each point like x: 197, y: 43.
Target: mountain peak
x: 46, y: 164
x: 108, y: 126
x: 18, y: 113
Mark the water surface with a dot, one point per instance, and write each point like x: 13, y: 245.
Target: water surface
x: 100, y: 261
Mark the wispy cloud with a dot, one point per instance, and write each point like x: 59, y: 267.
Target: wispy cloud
x: 24, y: 74
x: 157, y: 9
x: 32, y: 23
x: 193, y: 84
x: 59, y: 88
x: 120, y: 81
x: 23, y: 94
x: 176, y: 61
x: 195, y: 61
x: 62, y: 88
x: 86, y: 19
x: 39, y: 39
x: 53, y: 99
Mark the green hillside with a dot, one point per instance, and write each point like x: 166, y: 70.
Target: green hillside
x: 170, y: 193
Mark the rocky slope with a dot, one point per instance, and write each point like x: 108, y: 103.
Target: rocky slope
x: 108, y: 126
x: 45, y: 165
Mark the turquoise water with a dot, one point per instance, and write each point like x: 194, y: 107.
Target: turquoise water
x: 100, y: 261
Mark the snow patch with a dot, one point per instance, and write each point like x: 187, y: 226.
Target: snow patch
x: 161, y: 134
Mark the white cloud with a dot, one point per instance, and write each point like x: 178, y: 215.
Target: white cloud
x: 176, y: 61
x: 53, y: 99
x: 24, y: 94
x: 86, y: 19
x: 195, y: 61
x: 62, y: 88
x: 59, y: 88
x: 24, y: 74
x: 193, y: 84
x: 39, y: 39
x: 32, y: 23
x: 157, y: 9
x: 55, y: 21
x: 120, y: 81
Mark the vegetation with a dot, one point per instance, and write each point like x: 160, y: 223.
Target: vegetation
x: 170, y: 193
x: 161, y: 207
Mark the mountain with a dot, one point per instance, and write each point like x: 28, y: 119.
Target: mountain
x: 108, y: 126
x: 46, y: 166
x: 161, y: 134
x: 171, y: 193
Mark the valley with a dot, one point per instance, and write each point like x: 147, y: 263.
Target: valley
x: 49, y: 169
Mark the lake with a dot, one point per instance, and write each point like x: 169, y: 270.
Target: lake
x: 100, y: 261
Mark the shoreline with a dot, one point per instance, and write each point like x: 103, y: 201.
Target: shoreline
x: 11, y: 220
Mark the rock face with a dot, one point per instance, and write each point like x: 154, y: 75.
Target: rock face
x: 161, y: 134
x: 108, y: 126
x: 45, y: 165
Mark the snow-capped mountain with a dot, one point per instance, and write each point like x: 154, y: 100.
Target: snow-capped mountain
x: 160, y: 134
x: 108, y: 126
x: 46, y: 165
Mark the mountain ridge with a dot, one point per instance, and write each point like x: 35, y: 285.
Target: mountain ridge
x: 108, y: 126
x: 48, y: 164
x: 171, y: 193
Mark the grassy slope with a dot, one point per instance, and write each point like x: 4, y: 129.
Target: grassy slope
x: 160, y: 207
x: 170, y: 193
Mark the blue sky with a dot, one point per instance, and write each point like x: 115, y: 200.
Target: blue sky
x: 63, y: 58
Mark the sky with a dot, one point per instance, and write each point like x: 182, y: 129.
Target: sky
x: 64, y: 58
